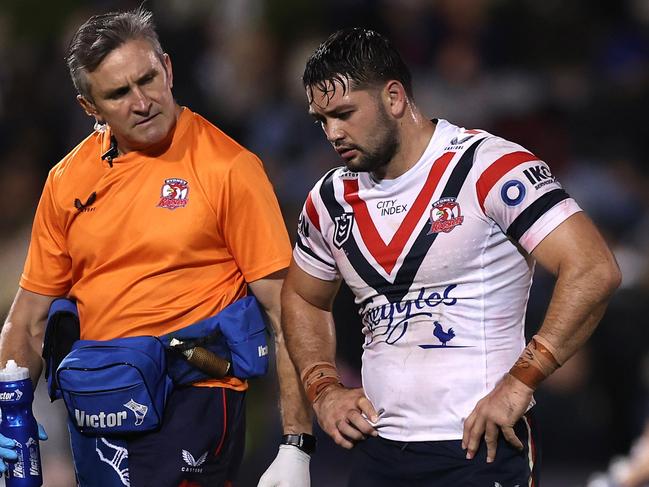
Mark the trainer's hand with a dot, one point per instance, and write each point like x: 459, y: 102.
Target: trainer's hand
x: 8, y: 448
x: 497, y: 411
x: 636, y: 473
x: 343, y: 414
x: 289, y: 469
x: 42, y: 435
x: 7, y: 452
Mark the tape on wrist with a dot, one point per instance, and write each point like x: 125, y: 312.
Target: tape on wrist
x: 318, y: 377
x: 537, y: 362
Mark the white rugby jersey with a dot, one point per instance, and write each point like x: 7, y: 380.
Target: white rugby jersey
x: 438, y: 260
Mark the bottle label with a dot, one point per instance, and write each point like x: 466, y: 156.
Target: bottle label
x: 18, y: 470
x: 34, y: 457
x: 11, y: 396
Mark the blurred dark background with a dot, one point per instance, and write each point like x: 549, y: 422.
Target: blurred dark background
x: 568, y: 80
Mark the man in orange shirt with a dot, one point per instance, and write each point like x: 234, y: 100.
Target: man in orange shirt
x: 155, y: 221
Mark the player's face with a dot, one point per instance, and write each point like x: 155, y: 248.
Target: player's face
x: 131, y: 92
x: 357, y: 124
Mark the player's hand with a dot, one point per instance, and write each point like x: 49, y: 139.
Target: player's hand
x: 8, y: 448
x: 345, y: 415
x: 289, y: 469
x: 497, y: 411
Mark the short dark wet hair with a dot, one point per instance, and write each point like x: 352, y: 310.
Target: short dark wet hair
x: 362, y: 56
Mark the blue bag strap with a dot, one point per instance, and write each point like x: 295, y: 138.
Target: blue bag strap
x: 245, y: 310
x: 62, y: 305
x: 61, y: 332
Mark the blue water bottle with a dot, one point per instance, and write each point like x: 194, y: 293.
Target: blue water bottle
x: 19, y: 424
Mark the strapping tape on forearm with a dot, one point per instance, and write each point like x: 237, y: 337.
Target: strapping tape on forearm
x: 317, y: 377
x: 537, y: 362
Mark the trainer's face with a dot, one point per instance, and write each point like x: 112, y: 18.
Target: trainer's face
x: 131, y: 92
x: 357, y: 124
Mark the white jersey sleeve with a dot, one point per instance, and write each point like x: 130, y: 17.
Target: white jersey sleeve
x: 311, y: 252
x: 518, y: 191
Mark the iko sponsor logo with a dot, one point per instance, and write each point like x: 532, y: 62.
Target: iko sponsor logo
x: 513, y: 192
x: 194, y: 464
x: 11, y: 396
x: 389, y: 323
x: 539, y: 175
x: 101, y: 420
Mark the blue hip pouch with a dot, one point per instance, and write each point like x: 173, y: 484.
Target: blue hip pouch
x: 116, y: 386
x: 120, y: 386
x: 237, y: 333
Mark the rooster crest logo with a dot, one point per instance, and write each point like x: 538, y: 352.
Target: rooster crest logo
x: 445, y: 215
x: 189, y: 459
x: 174, y: 194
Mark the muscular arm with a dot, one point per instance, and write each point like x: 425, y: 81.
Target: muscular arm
x: 586, y: 277
x: 306, y: 318
x: 294, y: 409
x: 23, y: 331
x: 310, y: 336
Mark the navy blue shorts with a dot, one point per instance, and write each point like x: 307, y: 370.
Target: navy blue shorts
x: 200, y: 444
x: 379, y: 462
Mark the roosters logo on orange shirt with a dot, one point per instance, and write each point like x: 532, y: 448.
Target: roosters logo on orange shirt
x: 174, y: 194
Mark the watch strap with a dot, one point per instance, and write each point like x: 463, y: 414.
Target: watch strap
x: 303, y: 441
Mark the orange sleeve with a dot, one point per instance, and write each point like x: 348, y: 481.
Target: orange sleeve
x: 253, y: 226
x: 48, y: 268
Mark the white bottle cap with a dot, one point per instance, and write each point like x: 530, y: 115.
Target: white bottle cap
x: 13, y: 371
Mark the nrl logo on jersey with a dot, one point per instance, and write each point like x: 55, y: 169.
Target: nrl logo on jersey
x: 445, y: 215
x: 344, y: 224
x: 174, y: 194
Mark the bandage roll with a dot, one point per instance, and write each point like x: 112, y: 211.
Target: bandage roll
x: 213, y: 365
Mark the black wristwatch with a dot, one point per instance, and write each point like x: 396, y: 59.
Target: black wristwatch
x: 303, y: 441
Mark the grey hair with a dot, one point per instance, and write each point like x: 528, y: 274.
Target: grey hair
x: 100, y: 35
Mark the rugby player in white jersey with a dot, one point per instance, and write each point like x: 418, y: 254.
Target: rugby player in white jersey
x: 436, y: 229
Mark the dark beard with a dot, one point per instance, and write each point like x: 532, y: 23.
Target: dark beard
x: 385, y: 146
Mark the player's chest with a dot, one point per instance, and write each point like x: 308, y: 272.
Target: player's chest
x: 410, y: 232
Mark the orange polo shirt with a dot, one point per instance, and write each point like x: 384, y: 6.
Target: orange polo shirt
x: 166, y: 241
